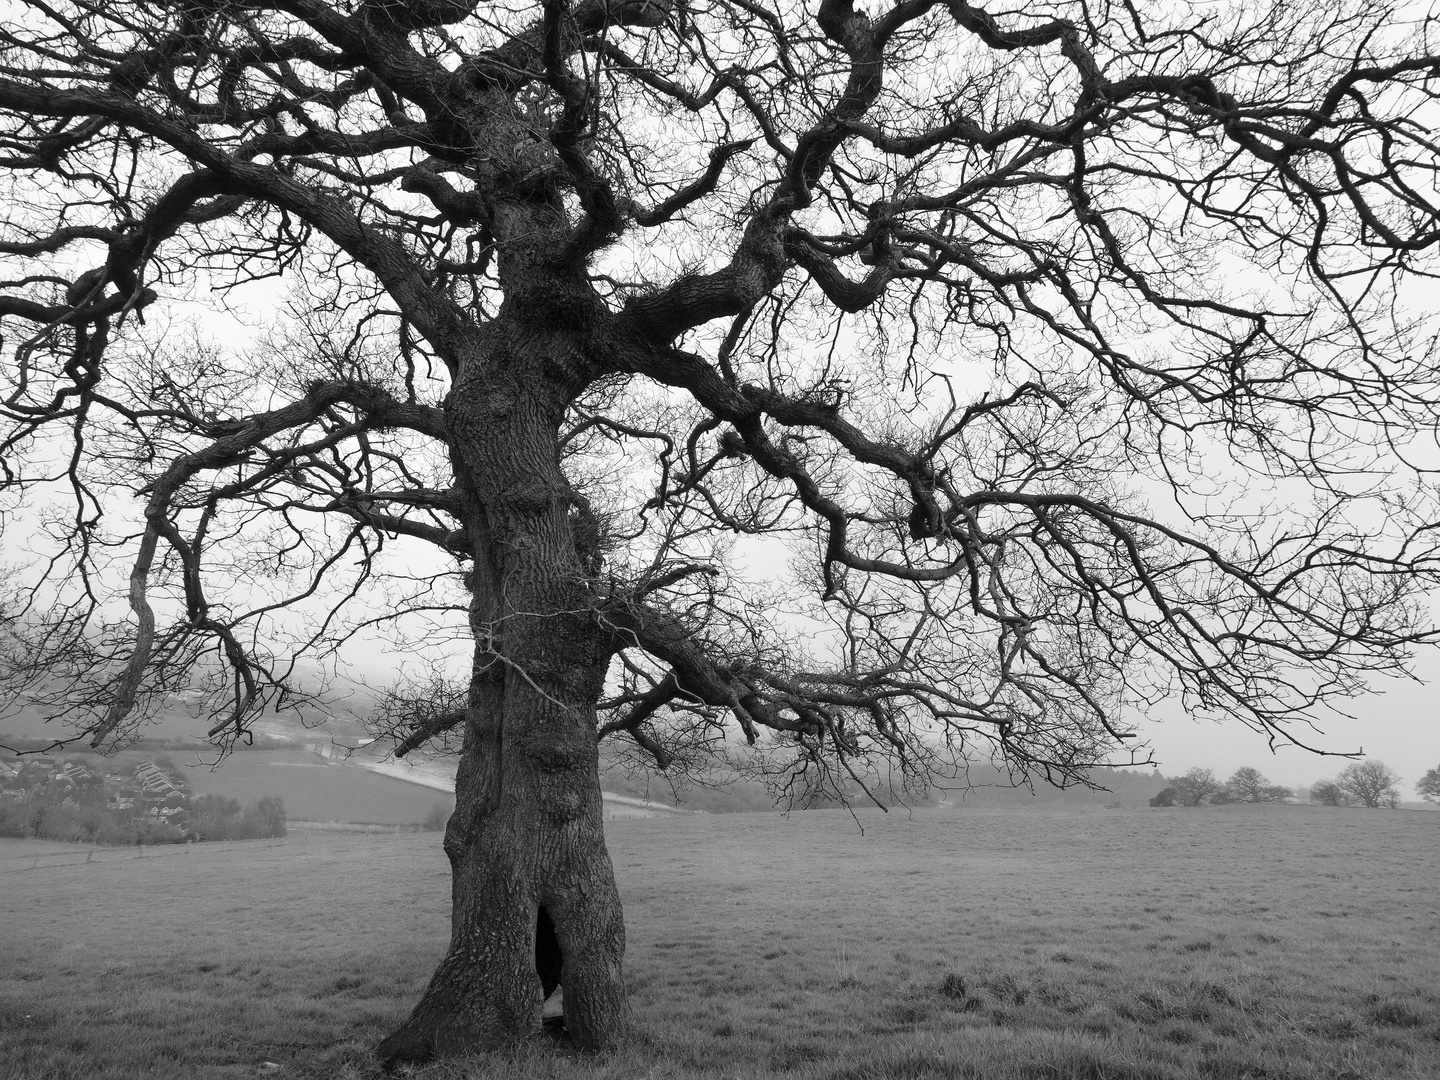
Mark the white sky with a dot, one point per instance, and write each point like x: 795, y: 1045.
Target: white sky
x: 1397, y: 726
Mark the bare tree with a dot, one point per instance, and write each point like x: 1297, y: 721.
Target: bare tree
x: 1428, y: 787
x: 1370, y: 783
x: 1194, y: 787
x: 1249, y: 785
x: 1024, y: 329
x: 1329, y: 793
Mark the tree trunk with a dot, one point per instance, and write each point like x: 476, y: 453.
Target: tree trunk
x: 534, y: 896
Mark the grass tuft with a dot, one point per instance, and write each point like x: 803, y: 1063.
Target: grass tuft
x: 1396, y: 1014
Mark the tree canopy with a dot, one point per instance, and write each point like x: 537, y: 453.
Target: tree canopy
x: 1371, y: 784
x: 1248, y: 784
x: 1068, y: 348
x: 1428, y: 786
x: 1195, y: 786
x: 967, y: 275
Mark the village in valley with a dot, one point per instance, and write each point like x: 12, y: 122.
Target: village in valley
x: 148, y: 799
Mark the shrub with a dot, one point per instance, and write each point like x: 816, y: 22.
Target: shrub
x: 116, y: 832
x: 214, y: 817
x: 1165, y: 797
x: 263, y: 818
x: 12, y: 821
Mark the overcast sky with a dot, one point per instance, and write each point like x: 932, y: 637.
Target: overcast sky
x: 1400, y: 727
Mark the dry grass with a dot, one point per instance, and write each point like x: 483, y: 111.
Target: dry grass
x: 1232, y: 943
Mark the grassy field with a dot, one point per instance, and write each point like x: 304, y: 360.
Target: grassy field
x: 1228, y: 943
x: 311, y: 789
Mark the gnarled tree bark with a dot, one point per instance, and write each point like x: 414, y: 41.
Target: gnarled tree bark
x: 534, y: 895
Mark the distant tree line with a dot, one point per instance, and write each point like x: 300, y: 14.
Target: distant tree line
x: 212, y: 817
x: 1370, y: 784
x: 38, y: 819
x: 1198, y: 786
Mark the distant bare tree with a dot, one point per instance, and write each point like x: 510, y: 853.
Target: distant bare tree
x: 1329, y: 793
x: 1370, y: 783
x: 1194, y: 787
x: 1428, y: 787
x: 1249, y: 785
